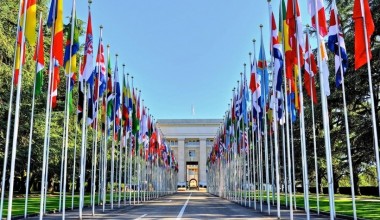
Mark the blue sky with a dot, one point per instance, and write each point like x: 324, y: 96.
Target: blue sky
x: 182, y: 53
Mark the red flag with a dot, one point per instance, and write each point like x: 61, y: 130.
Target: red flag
x: 359, y: 15
x: 310, y: 71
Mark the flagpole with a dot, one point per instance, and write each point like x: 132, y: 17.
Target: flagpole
x: 95, y: 143
x: 66, y: 145
x: 288, y: 184
x: 274, y: 85
x: 373, y: 113
x: 325, y: 121
x: 9, y: 115
x: 47, y: 125
x: 266, y: 153
x: 120, y: 140
x: 16, y: 122
x: 83, y: 147
x: 124, y: 138
x: 131, y: 152
x: 346, y: 117
x: 113, y: 143
x: 31, y: 126
x: 302, y: 129
x: 313, y: 121
x: 75, y: 146
x: 259, y: 145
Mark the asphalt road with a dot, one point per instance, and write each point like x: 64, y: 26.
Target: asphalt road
x: 182, y: 205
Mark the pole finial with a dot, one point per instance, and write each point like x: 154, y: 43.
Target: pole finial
x: 123, y: 64
x: 249, y: 53
x: 90, y: 2
x: 101, y: 27
x: 261, y: 26
x: 108, y: 46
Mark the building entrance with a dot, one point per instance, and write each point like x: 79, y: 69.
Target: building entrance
x: 192, y: 175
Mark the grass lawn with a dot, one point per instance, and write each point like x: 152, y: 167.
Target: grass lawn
x: 52, y: 203
x: 367, y: 207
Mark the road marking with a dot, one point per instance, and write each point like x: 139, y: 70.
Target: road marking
x: 141, y: 217
x: 183, y: 208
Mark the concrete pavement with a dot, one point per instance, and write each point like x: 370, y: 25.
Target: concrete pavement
x: 182, y: 205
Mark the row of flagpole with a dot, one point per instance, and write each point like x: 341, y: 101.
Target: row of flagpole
x: 154, y: 167
x: 230, y: 151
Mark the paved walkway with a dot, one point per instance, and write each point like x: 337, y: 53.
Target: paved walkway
x: 182, y: 205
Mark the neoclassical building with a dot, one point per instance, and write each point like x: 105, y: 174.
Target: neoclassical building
x: 191, y: 141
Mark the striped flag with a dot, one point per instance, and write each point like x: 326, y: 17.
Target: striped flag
x: 316, y: 6
x: 337, y: 45
x: 88, y: 53
x: 39, y: 57
x: 310, y: 71
x: 278, y: 67
x: 55, y: 21
x: 255, y: 87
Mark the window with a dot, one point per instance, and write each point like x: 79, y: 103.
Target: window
x: 192, y: 153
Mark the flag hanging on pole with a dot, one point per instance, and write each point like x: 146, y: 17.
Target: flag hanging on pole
x: 278, y: 67
x: 56, y: 18
x: 262, y: 71
x: 88, y: 52
x: 31, y: 22
x: 117, y: 99
x: 110, y: 95
x: 70, y: 56
x: 39, y: 57
x: 255, y: 87
x: 363, y: 19
x: 325, y: 66
x: 337, y: 45
x: 127, y: 108
x: 310, y: 71
x: 320, y: 9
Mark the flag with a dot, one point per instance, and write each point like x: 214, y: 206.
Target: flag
x: 278, y: 67
x: 135, y: 120
x: 255, y: 87
x: 55, y: 21
x: 70, y: 56
x: 101, y: 68
x: 39, y: 57
x: 125, y: 110
x: 110, y: 95
x: 31, y: 21
x: 336, y: 45
x: 310, y: 71
x: 361, y: 12
x: 284, y: 38
x: 80, y: 92
x: 294, y: 22
x: 325, y: 66
x: 88, y: 52
x: 262, y: 71
x: 316, y: 6
x: 117, y: 98
x: 19, y: 60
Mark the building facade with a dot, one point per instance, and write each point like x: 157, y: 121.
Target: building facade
x: 191, y: 141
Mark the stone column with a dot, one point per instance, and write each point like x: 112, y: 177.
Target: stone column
x: 202, y: 161
x: 181, y: 160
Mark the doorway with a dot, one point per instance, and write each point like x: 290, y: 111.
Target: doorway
x: 192, y: 174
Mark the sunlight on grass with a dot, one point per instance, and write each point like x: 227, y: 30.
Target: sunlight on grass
x: 52, y: 203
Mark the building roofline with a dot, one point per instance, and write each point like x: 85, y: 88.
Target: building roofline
x: 189, y: 121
